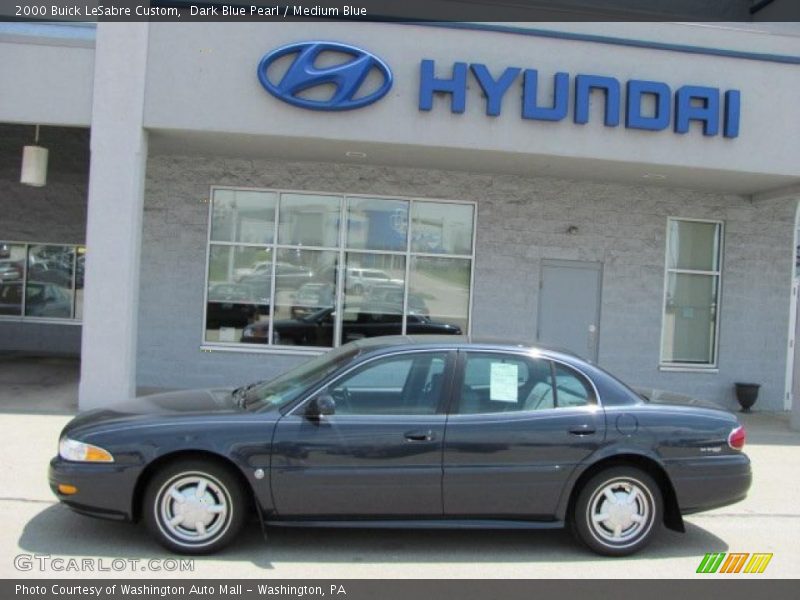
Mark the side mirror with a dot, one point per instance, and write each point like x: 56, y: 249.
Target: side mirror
x: 320, y: 406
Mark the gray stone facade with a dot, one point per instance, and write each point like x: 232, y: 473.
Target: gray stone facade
x: 521, y: 220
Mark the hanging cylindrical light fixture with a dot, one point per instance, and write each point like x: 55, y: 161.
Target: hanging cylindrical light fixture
x: 34, y: 164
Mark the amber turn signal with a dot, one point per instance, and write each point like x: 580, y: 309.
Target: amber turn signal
x: 95, y: 454
x: 66, y: 489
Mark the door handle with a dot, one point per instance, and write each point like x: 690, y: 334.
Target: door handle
x: 582, y: 430
x: 420, y: 436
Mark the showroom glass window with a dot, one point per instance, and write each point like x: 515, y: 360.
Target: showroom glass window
x: 317, y: 270
x: 692, y: 293
x: 41, y: 281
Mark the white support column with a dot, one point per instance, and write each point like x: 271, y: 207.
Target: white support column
x: 114, y: 218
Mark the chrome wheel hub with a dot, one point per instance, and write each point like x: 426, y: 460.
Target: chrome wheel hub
x: 620, y: 511
x: 193, y: 508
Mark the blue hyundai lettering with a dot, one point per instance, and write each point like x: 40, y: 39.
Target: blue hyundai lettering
x: 649, y: 105
x: 303, y: 74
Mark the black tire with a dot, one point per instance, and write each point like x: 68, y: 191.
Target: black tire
x: 202, y: 530
x: 632, y: 518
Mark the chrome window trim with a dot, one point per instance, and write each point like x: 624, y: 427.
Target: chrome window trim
x: 527, y: 353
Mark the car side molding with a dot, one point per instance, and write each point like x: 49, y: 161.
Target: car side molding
x: 420, y: 524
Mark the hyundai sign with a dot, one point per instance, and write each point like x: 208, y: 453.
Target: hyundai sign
x: 648, y: 105
x: 303, y: 74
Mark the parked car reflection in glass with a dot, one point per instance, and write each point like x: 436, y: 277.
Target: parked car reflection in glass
x: 11, y: 270
x: 233, y: 305
x: 51, y: 264
x: 361, y: 320
x: 50, y: 280
x: 311, y: 298
x: 11, y: 299
x: 42, y: 300
x: 359, y: 280
x: 392, y: 293
x: 286, y: 275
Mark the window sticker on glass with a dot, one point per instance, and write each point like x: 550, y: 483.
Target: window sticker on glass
x: 503, y: 379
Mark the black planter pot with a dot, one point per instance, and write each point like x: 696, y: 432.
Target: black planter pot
x: 747, y: 394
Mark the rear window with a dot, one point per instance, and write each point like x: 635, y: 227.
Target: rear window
x: 572, y: 389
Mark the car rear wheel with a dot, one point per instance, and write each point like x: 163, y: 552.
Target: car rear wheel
x: 194, y: 507
x: 617, y: 511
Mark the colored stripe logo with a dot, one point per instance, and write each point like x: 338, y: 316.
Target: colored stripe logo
x: 734, y: 562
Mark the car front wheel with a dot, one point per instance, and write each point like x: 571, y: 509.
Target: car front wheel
x: 194, y: 507
x: 617, y: 511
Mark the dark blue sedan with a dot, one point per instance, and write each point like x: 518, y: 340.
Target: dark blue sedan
x: 442, y: 432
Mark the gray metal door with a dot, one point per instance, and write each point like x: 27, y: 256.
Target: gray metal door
x: 569, y: 306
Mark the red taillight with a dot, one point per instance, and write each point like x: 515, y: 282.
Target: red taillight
x: 736, y: 438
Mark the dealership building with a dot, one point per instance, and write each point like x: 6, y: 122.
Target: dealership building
x: 221, y: 201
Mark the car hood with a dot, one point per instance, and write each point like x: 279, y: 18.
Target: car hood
x: 183, y: 403
x: 656, y: 396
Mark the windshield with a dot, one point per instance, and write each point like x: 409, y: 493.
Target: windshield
x: 288, y: 387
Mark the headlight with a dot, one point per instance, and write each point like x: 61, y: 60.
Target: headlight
x: 78, y: 451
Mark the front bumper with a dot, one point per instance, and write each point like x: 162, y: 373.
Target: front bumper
x: 104, y: 490
x: 711, y: 482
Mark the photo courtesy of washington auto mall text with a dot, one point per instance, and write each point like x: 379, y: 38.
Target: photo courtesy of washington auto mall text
x: 210, y: 590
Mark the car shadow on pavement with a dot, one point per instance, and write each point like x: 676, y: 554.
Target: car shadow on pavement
x: 59, y: 532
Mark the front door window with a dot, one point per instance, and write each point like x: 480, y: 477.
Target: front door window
x: 398, y: 385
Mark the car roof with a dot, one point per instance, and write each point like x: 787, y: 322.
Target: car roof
x: 395, y: 342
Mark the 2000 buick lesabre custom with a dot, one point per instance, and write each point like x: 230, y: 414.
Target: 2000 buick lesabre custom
x: 437, y: 431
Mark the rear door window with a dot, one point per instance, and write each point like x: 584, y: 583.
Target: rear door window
x: 499, y: 383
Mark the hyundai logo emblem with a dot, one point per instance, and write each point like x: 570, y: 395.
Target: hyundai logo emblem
x: 347, y: 77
